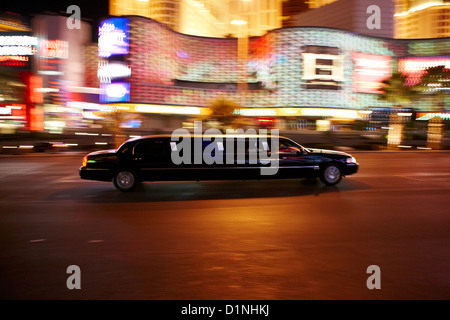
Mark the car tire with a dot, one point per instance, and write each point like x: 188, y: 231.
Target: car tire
x: 125, y: 180
x: 331, y: 174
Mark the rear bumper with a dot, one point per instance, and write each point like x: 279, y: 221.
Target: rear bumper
x: 98, y: 174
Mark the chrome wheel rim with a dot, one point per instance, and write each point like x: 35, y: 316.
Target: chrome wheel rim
x: 125, y: 179
x: 332, y: 174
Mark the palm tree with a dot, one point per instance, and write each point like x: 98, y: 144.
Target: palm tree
x: 223, y: 111
x: 396, y: 92
x: 435, y: 82
x: 113, y: 121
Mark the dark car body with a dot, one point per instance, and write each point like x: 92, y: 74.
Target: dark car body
x: 150, y: 158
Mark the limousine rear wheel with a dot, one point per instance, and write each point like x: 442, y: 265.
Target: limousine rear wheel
x: 125, y: 180
x: 331, y: 174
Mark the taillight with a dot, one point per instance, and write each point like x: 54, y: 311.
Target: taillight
x: 85, y: 160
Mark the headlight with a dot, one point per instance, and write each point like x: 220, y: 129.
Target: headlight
x: 351, y: 160
x: 85, y: 161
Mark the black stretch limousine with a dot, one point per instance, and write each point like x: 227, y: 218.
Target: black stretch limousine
x: 195, y: 158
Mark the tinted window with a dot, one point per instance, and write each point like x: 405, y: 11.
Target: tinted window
x: 287, y: 144
x: 151, y: 147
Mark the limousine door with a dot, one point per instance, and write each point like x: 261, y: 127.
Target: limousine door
x: 152, y: 159
x: 294, y: 161
x: 242, y: 159
x: 231, y: 160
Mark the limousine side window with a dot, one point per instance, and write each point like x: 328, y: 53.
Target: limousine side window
x: 287, y: 144
x: 151, y: 148
x: 246, y: 149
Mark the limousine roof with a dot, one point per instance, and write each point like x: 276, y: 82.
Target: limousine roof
x: 207, y: 135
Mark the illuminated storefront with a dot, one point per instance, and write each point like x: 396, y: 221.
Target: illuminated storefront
x: 18, y: 85
x: 61, y: 64
x: 288, y: 70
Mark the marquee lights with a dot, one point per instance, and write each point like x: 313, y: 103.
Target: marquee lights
x: 306, y: 112
x: 256, y: 112
x: 18, y: 41
x: 14, y: 58
x: 167, y: 109
x: 17, y: 50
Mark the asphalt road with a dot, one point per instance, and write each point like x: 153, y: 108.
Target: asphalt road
x: 281, y: 239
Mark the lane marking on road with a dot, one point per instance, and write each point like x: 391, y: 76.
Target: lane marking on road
x: 37, y: 240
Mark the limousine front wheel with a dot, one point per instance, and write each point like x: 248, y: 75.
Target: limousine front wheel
x: 125, y: 180
x: 331, y: 174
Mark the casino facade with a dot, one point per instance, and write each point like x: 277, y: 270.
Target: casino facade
x: 288, y: 74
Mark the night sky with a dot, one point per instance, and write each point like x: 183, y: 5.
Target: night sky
x: 92, y: 10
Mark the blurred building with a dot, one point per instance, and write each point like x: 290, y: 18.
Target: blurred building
x: 205, y: 17
x: 66, y: 64
x: 349, y: 15
x: 314, y: 4
x: 261, y: 16
x: 290, y: 9
x: 422, y: 19
x: 18, y: 46
x: 10, y: 22
x: 293, y: 74
x: 413, y: 19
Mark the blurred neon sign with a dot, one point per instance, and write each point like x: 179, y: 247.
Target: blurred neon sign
x: 113, y: 37
x: 112, y: 71
x: 16, y: 50
x: 12, y: 112
x: 369, y: 71
x: 53, y: 49
x: 414, y: 67
x: 115, y: 92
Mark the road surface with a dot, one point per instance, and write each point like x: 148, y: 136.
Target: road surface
x: 275, y: 240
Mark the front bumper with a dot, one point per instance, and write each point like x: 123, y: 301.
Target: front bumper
x: 350, y: 168
x: 98, y: 174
